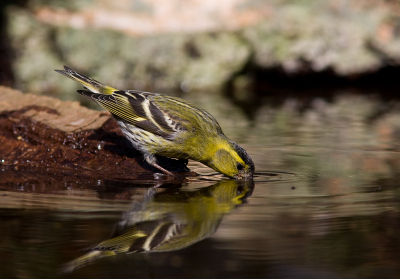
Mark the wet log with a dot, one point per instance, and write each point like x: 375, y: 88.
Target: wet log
x: 39, y: 133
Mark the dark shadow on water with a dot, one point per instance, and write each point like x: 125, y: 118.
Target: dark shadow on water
x: 253, y: 87
x: 49, y: 181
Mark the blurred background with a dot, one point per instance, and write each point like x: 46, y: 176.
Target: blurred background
x: 177, y: 46
x: 309, y: 88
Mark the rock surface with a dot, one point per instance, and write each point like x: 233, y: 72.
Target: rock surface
x: 39, y: 133
x: 168, y: 45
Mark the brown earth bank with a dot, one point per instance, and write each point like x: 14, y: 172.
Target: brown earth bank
x: 63, y: 143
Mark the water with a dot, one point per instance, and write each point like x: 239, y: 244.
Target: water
x: 325, y: 203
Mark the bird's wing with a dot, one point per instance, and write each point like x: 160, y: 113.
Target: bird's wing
x: 142, y: 237
x: 161, y: 115
x: 184, y: 115
x: 134, y: 108
x: 129, y: 106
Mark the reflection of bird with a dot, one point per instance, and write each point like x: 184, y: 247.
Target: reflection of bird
x: 169, y: 221
x: 168, y: 126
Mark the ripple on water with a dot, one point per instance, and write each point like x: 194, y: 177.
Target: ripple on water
x: 262, y: 176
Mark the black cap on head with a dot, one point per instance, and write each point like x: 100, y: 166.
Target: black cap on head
x: 243, y: 154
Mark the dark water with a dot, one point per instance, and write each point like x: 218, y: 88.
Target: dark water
x: 325, y: 203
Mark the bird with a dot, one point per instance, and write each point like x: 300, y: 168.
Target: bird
x: 168, y: 221
x: 157, y: 124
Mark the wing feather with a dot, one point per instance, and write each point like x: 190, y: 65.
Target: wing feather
x: 134, y: 109
x: 155, y: 113
x: 186, y: 115
x: 113, y: 105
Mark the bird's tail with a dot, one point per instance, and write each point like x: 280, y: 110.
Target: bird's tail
x: 89, y: 83
x: 84, y: 260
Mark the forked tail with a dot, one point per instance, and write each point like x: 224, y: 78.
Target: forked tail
x: 89, y: 83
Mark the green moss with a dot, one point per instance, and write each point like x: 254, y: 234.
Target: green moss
x: 318, y: 36
x: 295, y: 32
x: 34, y: 59
x: 154, y: 63
x: 72, y: 5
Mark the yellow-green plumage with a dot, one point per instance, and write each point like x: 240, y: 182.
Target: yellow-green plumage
x: 169, y: 221
x: 161, y: 125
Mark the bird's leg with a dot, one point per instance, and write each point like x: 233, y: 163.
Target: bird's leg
x: 151, y: 159
x: 184, y: 162
x: 149, y: 196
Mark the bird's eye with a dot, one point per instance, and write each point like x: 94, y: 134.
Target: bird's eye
x: 239, y: 166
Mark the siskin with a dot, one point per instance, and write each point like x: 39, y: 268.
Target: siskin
x: 169, y: 221
x: 168, y: 126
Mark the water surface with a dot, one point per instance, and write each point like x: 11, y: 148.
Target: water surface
x: 325, y: 203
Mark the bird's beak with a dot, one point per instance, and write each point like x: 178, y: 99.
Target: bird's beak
x: 244, y: 176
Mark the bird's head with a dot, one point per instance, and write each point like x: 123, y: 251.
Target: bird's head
x: 233, y: 161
